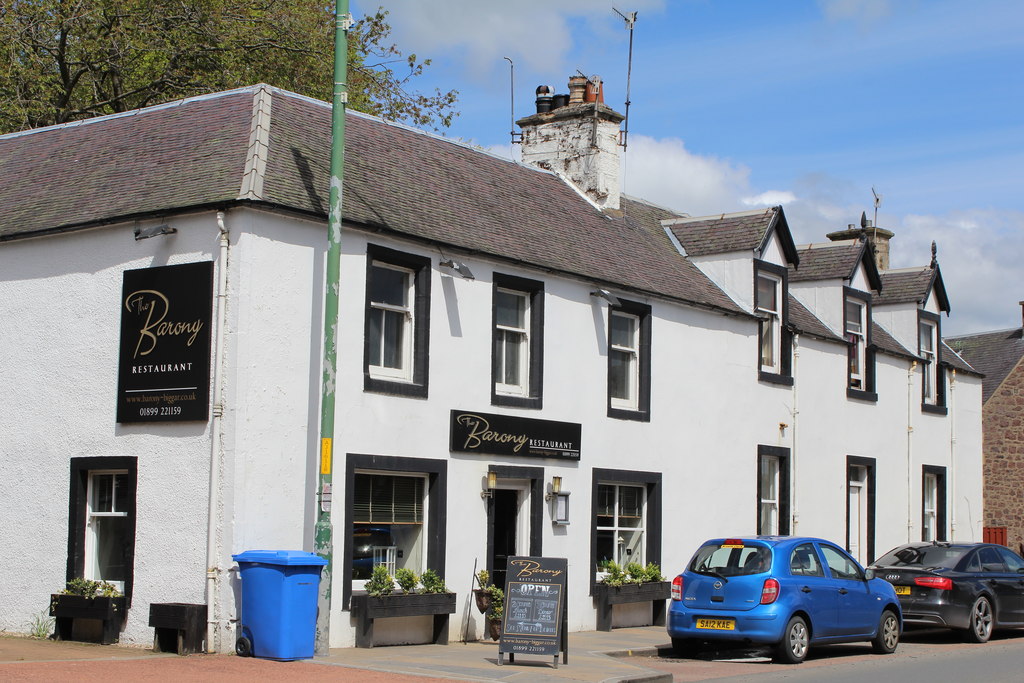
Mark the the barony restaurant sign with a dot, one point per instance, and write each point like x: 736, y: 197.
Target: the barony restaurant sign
x: 164, y: 360
x: 484, y: 433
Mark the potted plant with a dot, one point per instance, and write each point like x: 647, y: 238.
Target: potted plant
x: 481, y: 592
x: 98, y: 607
x: 495, y: 611
x: 629, y: 584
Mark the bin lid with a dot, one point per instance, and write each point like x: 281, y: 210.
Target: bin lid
x: 285, y: 557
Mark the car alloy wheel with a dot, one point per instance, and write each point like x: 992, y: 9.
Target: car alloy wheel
x: 888, y: 634
x: 980, y: 629
x: 795, y: 641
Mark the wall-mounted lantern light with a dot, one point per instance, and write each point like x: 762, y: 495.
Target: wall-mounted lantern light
x: 559, y: 502
x: 491, y: 484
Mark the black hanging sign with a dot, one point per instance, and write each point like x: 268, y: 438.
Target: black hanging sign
x: 489, y: 434
x: 164, y: 361
x: 535, y: 617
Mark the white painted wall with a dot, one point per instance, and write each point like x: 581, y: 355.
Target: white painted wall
x: 709, y: 414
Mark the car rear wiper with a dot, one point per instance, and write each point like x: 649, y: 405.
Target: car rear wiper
x: 711, y: 572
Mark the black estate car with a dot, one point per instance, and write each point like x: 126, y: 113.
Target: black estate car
x: 975, y: 587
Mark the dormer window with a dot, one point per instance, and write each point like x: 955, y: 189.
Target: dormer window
x: 933, y: 390
x: 860, y: 359
x: 773, y: 339
x: 854, y: 330
x: 768, y: 296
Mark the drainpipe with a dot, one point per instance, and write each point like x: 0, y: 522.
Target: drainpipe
x: 792, y: 450
x: 323, y: 542
x: 952, y: 455
x: 910, y: 436
x: 213, y: 569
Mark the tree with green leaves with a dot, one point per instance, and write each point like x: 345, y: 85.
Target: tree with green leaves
x: 65, y: 60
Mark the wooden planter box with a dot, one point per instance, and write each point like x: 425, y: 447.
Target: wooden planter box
x: 178, y: 627
x: 106, y: 617
x: 366, y: 608
x: 655, y: 592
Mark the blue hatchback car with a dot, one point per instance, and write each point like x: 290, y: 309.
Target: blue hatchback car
x: 785, y: 591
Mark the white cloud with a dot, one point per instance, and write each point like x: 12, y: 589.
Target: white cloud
x: 770, y: 198
x: 666, y: 173
x: 535, y: 34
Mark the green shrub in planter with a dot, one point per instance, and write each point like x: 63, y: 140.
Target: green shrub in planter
x: 380, y: 582
x: 406, y: 579
x: 432, y: 583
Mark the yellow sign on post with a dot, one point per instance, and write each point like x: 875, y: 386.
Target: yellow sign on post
x: 325, y: 456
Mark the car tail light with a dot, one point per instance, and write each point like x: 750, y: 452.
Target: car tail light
x: 677, y: 588
x: 770, y: 591
x: 940, y: 582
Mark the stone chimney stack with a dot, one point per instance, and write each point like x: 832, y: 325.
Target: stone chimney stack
x: 577, y: 137
x: 878, y: 238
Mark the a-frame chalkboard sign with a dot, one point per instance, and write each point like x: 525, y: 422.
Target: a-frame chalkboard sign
x: 535, y: 616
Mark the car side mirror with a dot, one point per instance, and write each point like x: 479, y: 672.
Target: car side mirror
x: 869, y: 574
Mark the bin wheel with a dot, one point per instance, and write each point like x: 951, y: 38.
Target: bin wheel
x: 243, y: 647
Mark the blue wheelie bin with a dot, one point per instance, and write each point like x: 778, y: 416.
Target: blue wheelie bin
x: 280, y: 591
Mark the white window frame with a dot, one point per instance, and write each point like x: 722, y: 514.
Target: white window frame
x: 617, y: 528
x: 771, y: 325
x: 769, y: 524
x: 632, y: 354
x: 91, y: 569
x: 522, y: 387
x: 389, y: 554
x: 403, y: 373
x: 928, y: 332
x: 856, y: 337
x: 930, y: 507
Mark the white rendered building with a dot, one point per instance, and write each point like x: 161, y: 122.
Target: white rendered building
x: 162, y: 287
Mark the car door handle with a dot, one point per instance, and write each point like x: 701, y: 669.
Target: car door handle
x: 843, y: 591
x: 806, y: 589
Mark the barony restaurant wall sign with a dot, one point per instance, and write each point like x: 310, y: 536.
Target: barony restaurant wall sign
x: 484, y: 433
x: 164, y: 360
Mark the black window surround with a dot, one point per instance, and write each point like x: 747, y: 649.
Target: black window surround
x: 784, y: 376
x: 420, y: 265
x: 642, y: 413
x: 783, y: 456
x: 437, y: 506
x: 940, y: 499
x: 77, y: 520
x: 939, y: 406
x: 536, y: 477
x: 869, y: 464
x: 652, y: 481
x: 534, y: 289
x: 868, y: 393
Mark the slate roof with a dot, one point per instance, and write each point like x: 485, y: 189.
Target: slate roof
x: 886, y: 343
x: 269, y: 147
x: 995, y: 354
x: 807, y: 323
x: 911, y: 285
x: 834, y: 260
x: 731, y: 232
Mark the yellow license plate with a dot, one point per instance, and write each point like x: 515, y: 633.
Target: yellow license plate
x: 717, y: 624
x: 902, y: 590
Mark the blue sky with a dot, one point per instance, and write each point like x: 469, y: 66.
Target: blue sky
x: 808, y: 103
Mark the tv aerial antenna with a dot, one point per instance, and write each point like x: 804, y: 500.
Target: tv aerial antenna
x: 630, y: 20
x: 517, y: 138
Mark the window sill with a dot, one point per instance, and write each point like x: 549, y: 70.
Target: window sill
x: 861, y: 395
x: 774, y: 378
x: 394, y: 387
x: 634, y: 415
x: 535, y: 402
x: 933, y: 409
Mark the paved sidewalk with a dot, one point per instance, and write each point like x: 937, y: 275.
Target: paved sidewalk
x: 593, y: 656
